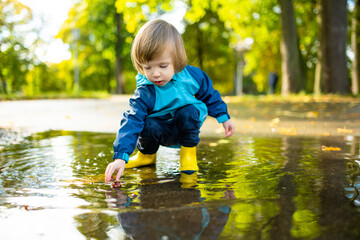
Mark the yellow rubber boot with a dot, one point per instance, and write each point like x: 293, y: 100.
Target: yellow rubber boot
x: 140, y: 160
x: 188, y: 180
x: 188, y: 160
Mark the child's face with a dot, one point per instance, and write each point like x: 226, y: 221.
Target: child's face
x: 160, y: 70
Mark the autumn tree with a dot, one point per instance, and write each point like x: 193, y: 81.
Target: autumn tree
x: 15, y: 57
x: 207, y: 46
x: 95, y: 31
x: 355, y: 42
x: 119, y: 61
x: 255, y: 20
x: 292, y: 74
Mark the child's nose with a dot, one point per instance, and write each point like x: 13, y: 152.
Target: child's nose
x: 156, y: 73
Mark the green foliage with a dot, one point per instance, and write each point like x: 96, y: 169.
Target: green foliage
x: 260, y: 21
x: 257, y: 20
x: 90, y: 30
x: 207, y: 46
x: 213, y: 31
x: 137, y: 12
x: 15, y: 58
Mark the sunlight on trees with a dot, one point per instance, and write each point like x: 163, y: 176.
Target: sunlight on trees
x: 212, y: 29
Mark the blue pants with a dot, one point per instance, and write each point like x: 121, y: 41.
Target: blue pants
x: 183, y: 129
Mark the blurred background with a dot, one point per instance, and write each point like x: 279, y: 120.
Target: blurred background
x: 72, y: 48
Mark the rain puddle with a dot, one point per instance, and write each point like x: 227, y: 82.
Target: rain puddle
x: 51, y: 187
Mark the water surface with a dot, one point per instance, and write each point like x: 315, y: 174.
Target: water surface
x: 289, y: 187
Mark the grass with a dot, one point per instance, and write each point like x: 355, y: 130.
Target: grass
x: 301, y: 97
x: 56, y: 95
x: 292, y: 98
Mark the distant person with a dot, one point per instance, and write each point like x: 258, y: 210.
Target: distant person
x: 169, y: 105
x: 4, y: 86
x: 272, y: 81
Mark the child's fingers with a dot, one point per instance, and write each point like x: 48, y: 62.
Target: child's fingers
x: 109, y: 172
x: 229, y: 131
x: 119, y: 174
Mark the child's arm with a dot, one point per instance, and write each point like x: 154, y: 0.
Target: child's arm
x: 217, y: 108
x: 131, y: 125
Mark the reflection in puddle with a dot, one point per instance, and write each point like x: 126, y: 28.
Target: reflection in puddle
x: 247, y: 188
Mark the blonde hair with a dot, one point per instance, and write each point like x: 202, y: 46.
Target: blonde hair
x: 151, y: 41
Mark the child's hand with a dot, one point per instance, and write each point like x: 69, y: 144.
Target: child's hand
x: 229, y: 127
x: 118, y: 165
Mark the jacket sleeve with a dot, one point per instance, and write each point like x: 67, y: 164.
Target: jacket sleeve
x: 132, y: 122
x: 217, y: 108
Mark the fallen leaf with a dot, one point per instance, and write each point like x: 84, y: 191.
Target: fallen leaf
x: 325, y: 148
x: 248, y: 126
x: 288, y: 131
x: 312, y: 114
x: 345, y: 130
x: 275, y: 122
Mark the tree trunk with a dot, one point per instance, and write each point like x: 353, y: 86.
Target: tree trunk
x: 200, y: 47
x: 3, y: 83
x: 333, y: 30
x: 292, y: 74
x: 119, y: 74
x: 319, y: 64
x: 355, y: 42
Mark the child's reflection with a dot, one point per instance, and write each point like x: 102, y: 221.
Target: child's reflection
x: 171, y: 210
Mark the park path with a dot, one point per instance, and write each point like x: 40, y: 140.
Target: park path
x: 251, y: 117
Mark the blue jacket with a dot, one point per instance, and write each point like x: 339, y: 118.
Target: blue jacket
x: 190, y: 86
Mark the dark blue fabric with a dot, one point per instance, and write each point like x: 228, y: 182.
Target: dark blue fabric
x: 183, y: 129
x: 207, y: 94
x: 132, y: 122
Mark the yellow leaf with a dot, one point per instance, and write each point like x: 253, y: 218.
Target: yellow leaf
x: 248, y: 127
x: 325, y: 148
x: 288, y: 131
x: 275, y: 120
x: 345, y: 130
x: 312, y: 114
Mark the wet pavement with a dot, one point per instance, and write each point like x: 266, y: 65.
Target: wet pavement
x: 333, y: 117
x: 291, y: 172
